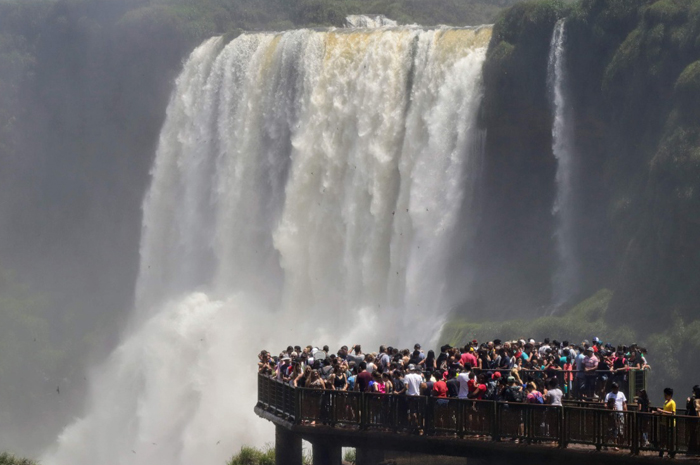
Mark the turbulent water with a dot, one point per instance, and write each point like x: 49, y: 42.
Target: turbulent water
x: 566, y: 279
x: 309, y: 187
x: 368, y: 21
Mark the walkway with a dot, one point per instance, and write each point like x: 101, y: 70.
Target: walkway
x: 521, y: 433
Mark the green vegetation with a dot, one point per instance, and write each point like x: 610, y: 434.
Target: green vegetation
x: 253, y: 456
x: 350, y: 456
x: 634, y: 85
x: 27, y: 355
x: 671, y: 347
x: 9, y: 459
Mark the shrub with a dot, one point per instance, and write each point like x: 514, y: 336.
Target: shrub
x: 9, y: 459
x: 350, y: 456
x: 253, y: 456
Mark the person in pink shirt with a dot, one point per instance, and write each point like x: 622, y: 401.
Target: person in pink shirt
x: 590, y: 365
x: 468, y: 357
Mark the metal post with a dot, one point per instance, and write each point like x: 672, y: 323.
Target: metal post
x: 634, y: 432
x: 562, y: 428
x: 363, y: 411
x: 325, y: 453
x: 298, y: 399
x: 494, y: 421
x: 287, y: 447
x: 598, y: 421
x: 429, y: 421
x: 368, y: 456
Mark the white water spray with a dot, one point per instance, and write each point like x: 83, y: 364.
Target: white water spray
x: 566, y: 279
x: 369, y: 21
x: 307, y: 188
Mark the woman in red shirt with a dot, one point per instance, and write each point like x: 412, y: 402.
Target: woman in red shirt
x: 479, y: 388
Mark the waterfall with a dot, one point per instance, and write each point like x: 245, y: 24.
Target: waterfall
x: 308, y: 187
x: 566, y: 280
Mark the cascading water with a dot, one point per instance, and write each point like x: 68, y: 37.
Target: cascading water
x: 369, y: 21
x: 566, y: 279
x: 308, y: 188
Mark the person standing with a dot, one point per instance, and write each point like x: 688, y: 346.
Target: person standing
x: 669, y: 407
x: 692, y: 408
x: 464, y: 385
x: 413, y: 381
x: 418, y: 348
x: 580, y: 373
x: 554, y: 394
x: 452, y: 383
x: 618, y: 401
x: 667, y: 425
x: 439, y: 386
x: 468, y: 357
x: 363, y: 379
x: 357, y: 357
x: 590, y: 365
x: 383, y: 358
x: 643, y: 403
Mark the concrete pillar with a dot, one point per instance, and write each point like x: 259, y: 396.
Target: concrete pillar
x: 369, y: 456
x: 287, y: 447
x: 326, y: 453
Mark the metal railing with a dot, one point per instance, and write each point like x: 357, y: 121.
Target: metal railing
x: 530, y: 423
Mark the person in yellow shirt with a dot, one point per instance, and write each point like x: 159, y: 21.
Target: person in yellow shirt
x: 667, y: 425
x: 669, y: 403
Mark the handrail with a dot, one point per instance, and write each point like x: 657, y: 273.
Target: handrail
x: 570, y: 424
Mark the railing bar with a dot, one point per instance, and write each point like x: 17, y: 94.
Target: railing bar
x: 462, y: 417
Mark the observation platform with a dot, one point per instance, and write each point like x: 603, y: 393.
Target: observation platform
x: 481, y: 431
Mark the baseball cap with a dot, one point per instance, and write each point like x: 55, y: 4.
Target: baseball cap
x: 411, y: 367
x: 511, y: 379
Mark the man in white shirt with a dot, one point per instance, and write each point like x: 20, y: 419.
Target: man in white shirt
x: 620, y: 399
x: 463, y: 378
x: 413, y: 381
x: 618, y: 402
x: 554, y: 394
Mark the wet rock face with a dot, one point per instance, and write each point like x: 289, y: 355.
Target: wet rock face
x: 632, y: 69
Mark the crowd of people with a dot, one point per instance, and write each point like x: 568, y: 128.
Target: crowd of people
x: 511, y: 371
x: 514, y: 371
x: 478, y: 371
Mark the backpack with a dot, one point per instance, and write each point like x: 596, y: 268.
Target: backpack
x: 326, y: 371
x: 490, y: 393
x: 513, y: 395
x: 539, y: 398
x: 690, y: 407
